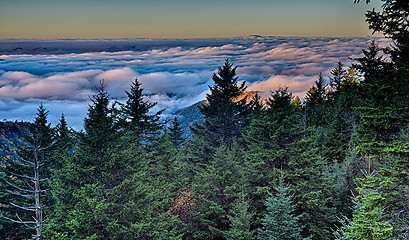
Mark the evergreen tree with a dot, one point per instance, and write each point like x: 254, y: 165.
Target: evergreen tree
x: 270, y: 136
x: 81, y: 186
x: 280, y: 221
x: 62, y: 155
x: 268, y: 143
x: 338, y: 74
x: 176, y: 133
x: 310, y: 181
x: 316, y: 101
x: 367, y: 222
x: 135, y: 113
x: 225, y: 117
x: 256, y: 105
x: 216, y: 186
x: 343, y: 114
x: 240, y: 221
x: 384, y: 115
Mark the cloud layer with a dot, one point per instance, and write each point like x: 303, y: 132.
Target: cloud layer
x: 175, y: 73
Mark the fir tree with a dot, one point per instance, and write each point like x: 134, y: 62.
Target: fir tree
x: 82, y: 184
x: 316, y: 101
x: 310, y: 181
x: 216, y: 186
x: 176, y: 133
x: 338, y: 74
x: 240, y: 221
x: 280, y: 221
x: 136, y: 113
x: 225, y: 117
x: 384, y: 115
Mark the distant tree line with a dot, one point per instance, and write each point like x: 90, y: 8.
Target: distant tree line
x: 334, y: 165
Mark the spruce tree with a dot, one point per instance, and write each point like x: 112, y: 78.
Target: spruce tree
x: 241, y: 219
x: 81, y: 186
x: 316, y: 102
x: 270, y: 136
x: 176, y: 133
x: 226, y: 118
x: 384, y: 116
x: 216, y: 185
x: 280, y: 221
x: 311, y: 181
x: 342, y: 110
x: 338, y: 74
x: 136, y: 114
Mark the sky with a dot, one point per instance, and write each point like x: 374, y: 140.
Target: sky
x: 176, y: 73
x: 56, y: 52
x: 181, y: 18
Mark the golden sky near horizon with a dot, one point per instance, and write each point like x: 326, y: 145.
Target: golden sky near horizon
x: 181, y: 18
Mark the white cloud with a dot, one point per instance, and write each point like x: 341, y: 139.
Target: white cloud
x: 296, y: 84
x: 175, y: 73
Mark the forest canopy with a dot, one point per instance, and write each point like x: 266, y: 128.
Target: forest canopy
x: 334, y: 165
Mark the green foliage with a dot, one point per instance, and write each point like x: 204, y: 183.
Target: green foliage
x: 367, y: 223
x: 176, y: 133
x: 216, y: 186
x: 315, y: 101
x: 280, y: 221
x: 240, y: 221
x: 310, y: 181
x: 270, y: 136
x: 226, y: 117
x: 125, y: 178
x: 135, y: 113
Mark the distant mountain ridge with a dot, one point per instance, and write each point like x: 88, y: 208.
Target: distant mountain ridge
x: 11, y: 134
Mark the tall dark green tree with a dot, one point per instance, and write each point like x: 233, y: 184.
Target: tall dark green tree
x: 241, y: 219
x: 136, y: 114
x: 175, y: 133
x: 82, y: 185
x: 217, y: 185
x: 268, y: 143
x: 270, y: 135
x: 316, y: 102
x: 338, y: 74
x: 226, y: 117
x: 310, y: 181
x: 343, y: 114
x: 280, y: 221
x: 384, y: 116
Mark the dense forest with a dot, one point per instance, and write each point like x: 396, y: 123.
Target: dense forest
x: 334, y: 165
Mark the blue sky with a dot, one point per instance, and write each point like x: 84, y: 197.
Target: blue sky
x: 181, y: 18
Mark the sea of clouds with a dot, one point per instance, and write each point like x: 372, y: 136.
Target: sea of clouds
x: 63, y: 74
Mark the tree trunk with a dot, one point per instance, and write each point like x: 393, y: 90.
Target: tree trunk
x: 37, y: 196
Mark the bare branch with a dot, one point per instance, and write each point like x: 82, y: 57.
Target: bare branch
x: 44, y: 148
x: 27, y: 161
x: 24, y: 165
x: 30, y: 186
x: 19, y: 175
x: 19, y: 188
x: 20, y: 221
x: 33, y: 209
x: 20, y: 194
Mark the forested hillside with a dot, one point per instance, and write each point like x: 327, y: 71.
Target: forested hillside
x: 334, y: 165
x: 11, y: 134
